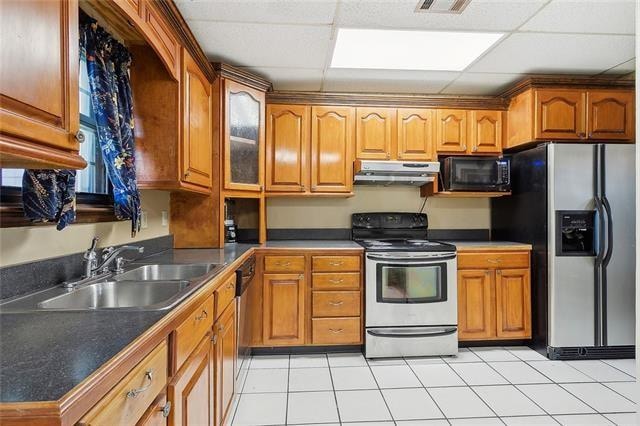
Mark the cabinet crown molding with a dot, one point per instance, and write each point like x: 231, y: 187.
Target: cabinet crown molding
x: 240, y: 75
x: 568, y: 82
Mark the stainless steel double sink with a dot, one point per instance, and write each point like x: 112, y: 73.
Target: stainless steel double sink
x: 146, y: 287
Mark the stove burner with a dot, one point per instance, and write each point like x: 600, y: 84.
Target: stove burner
x: 422, y: 243
x: 378, y: 243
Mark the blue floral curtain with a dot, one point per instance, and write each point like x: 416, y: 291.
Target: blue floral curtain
x: 108, y: 64
x: 49, y: 196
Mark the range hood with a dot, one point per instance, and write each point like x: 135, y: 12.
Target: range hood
x: 385, y: 173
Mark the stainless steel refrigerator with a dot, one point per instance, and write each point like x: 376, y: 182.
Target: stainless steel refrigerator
x: 575, y: 203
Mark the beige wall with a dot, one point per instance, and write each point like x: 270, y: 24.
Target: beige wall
x: 19, y: 245
x: 335, y: 212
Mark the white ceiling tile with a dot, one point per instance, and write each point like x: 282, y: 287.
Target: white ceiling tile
x: 623, y: 68
x: 393, y: 81
x: 264, y: 45
x: 489, y: 15
x: 585, y: 16
x: 480, y: 84
x: 556, y: 53
x: 291, y: 78
x: 260, y: 11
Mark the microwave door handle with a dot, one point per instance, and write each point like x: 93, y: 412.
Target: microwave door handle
x: 391, y: 333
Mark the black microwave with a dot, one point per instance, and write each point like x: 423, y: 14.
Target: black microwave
x: 484, y: 174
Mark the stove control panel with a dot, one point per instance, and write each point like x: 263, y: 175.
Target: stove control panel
x: 389, y: 220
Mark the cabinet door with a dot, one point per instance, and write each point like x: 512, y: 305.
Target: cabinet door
x: 332, y: 137
x: 225, y: 362
x: 610, y: 114
x: 559, y: 114
x: 157, y: 414
x: 513, y: 302
x: 197, y: 137
x: 415, y: 134
x: 243, y: 138
x: 374, y: 133
x: 190, y: 391
x: 283, y: 309
x: 476, y: 312
x: 451, y: 131
x: 287, y: 148
x: 39, y: 84
x: 486, y: 132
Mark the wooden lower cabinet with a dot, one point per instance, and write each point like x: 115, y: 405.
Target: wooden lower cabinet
x: 494, y: 297
x: 191, y: 390
x: 224, y: 347
x: 157, y: 414
x: 283, y: 309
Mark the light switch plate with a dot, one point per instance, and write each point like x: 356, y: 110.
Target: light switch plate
x: 143, y: 220
x: 165, y: 218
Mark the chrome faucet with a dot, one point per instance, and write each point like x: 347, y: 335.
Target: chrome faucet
x: 109, y: 255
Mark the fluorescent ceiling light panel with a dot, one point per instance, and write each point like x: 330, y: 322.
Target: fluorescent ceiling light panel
x: 409, y: 50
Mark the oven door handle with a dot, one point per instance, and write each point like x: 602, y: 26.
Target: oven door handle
x: 391, y: 333
x: 425, y: 259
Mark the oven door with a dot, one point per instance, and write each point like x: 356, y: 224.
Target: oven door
x: 411, y: 289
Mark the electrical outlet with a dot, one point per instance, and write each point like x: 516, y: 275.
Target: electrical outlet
x: 143, y: 220
x: 165, y: 218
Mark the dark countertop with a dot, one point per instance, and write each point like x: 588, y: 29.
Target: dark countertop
x: 44, y: 355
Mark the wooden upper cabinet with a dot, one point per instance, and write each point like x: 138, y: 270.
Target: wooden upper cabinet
x: 197, y: 138
x: 332, y: 138
x: 160, y: 36
x: 287, y: 148
x: 451, y: 131
x: 374, y: 133
x: 415, y: 134
x: 610, y: 114
x: 560, y: 114
x: 283, y: 304
x: 513, y: 302
x: 486, y: 132
x: 224, y: 348
x: 476, y: 313
x: 39, y: 66
x: 243, y: 137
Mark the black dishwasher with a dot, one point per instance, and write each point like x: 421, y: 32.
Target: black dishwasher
x: 244, y: 278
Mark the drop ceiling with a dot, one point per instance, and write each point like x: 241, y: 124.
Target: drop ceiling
x: 290, y: 42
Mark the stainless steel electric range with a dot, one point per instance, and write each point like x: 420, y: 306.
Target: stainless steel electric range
x: 411, y: 288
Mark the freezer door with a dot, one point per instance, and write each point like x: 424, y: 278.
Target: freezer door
x: 571, y: 278
x: 619, y: 176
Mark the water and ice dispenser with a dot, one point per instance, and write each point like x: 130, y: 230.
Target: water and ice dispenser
x: 576, y: 233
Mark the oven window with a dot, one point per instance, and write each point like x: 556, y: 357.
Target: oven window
x: 411, y: 283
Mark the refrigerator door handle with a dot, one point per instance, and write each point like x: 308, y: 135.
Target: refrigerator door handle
x: 600, y: 243
x: 607, y: 256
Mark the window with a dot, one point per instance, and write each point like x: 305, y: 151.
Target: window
x: 92, y: 184
x: 93, y: 178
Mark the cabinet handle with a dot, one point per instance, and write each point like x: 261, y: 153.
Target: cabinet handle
x: 499, y: 272
x: 303, y: 188
x: 475, y: 149
x: 590, y: 134
x: 494, y: 261
x: 283, y: 263
x: 336, y: 263
x: 229, y: 286
x: 220, y: 328
x: 464, y: 147
x: 80, y: 137
x: 336, y: 280
x: 202, y: 316
x: 187, y: 173
x: 133, y: 393
x: 388, y: 156
x: 336, y: 303
x: 214, y: 339
x: 166, y: 409
x: 336, y: 330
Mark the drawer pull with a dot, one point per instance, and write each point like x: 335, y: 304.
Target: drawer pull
x: 202, y: 316
x: 229, y: 286
x: 336, y: 263
x: 336, y: 280
x: 133, y: 393
x: 336, y: 303
x: 166, y: 409
x: 494, y: 261
x: 285, y: 264
x: 336, y: 330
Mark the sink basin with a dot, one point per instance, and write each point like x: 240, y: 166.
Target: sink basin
x: 119, y: 294
x: 167, y: 272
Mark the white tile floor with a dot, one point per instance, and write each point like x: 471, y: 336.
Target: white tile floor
x: 482, y: 386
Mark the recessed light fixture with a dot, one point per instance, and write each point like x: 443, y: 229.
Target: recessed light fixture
x: 409, y: 50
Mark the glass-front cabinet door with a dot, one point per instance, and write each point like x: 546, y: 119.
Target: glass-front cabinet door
x: 244, y: 138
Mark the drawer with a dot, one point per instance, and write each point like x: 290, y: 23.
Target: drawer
x: 336, y: 281
x: 130, y: 398
x: 336, y: 303
x: 225, y: 295
x: 336, y: 331
x: 190, y: 332
x: 284, y: 263
x: 497, y: 260
x: 336, y: 263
